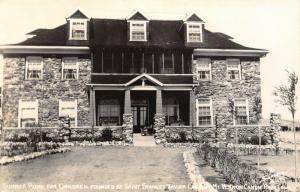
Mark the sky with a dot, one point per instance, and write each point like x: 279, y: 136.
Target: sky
x: 269, y: 24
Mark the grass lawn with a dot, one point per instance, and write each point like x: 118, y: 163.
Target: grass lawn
x: 134, y: 167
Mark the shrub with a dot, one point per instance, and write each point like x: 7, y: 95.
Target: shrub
x: 182, y: 137
x: 107, y: 134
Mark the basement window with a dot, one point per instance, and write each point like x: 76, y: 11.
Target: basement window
x: 70, y: 68
x: 241, y: 111
x: 204, y: 111
x: 68, y: 108
x: 34, y: 68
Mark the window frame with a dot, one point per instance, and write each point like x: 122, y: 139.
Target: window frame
x: 188, y: 24
x: 241, y: 105
x: 239, y: 69
x: 60, y: 106
x: 63, y: 68
x: 204, y: 105
x: 131, y: 23
x: 35, y: 104
x: 199, y: 68
x: 27, y: 67
x: 72, y: 21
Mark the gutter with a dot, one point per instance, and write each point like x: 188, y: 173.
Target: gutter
x: 19, y: 49
x: 230, y: 52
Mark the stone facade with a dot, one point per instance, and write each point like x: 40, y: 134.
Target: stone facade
x: 221, y: 89
x: 127, y: 133
x: 159, y: 127
x: 48, y: 91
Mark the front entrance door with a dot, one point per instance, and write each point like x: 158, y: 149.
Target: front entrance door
x: 140, y: 111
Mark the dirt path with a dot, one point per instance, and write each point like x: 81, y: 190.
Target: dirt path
x: 100, y: 169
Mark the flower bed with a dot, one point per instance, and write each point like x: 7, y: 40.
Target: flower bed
x: 239, y: 173
x: 6, y: 160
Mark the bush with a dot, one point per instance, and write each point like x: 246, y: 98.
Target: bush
x: 182, y: 137
x: 107, y: 134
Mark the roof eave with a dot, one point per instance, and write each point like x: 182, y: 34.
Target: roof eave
x: 231, y: 52
x: 20, y: 49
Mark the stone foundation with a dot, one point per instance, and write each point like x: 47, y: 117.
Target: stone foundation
x: 159, y: 127
x: 127, y: 128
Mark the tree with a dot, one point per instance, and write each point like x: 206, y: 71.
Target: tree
x: 286, y: 96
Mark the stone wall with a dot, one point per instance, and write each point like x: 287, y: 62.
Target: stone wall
x: 220, y: 89
x: 193, y: 134
x: 48, y: 91
x: 159, y: 128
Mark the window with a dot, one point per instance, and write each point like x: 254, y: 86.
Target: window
x: 68, y: 108
x: 203, y: 69
x: 109, y: 112
x: 204, y: 111
x: 138, y: 31
x: 241, y: 111
x: 194, y: 32
x: 171, y: 110
x: 28, y: 112
x: 69, y: 68
x: 233, y: 69
x: 34, y: 68
x: 78, y: 29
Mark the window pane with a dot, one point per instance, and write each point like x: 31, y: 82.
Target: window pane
x: 205, y: 75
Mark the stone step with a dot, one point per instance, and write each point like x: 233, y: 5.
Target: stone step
x: 143, y: 141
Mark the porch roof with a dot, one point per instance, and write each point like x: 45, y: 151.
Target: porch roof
x: 123, y: 79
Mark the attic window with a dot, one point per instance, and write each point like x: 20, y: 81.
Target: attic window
x: 78, y: 29
x: 138, y: 31
x: 194, y: 32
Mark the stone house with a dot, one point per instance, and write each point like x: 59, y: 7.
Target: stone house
x: 130, y: 74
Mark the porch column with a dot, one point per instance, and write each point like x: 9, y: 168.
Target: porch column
x: 158, y: 102
x: 92, y: 110
x: 192, y: 109
x: 127, y: 119
x: 159, y: 120
x: 127, y: 102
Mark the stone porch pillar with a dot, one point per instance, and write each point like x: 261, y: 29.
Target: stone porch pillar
x: 127, y: 126
x: 192, y: 109
x: 159, y: 120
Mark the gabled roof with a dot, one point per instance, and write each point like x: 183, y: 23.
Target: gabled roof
x: 148, y: 77
x: 193, y: 17
x: 78, y: 15
x: 136, y: 15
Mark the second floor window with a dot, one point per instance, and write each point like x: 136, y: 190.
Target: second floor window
x: 204, y: 111
x: 34, y: 68
x: 241, y: 111
x: 233, y: 69
x: 138, y: 31
x: 203, y: 69
x: 78, y: 30
x: 194, y: 33
x: 69, y: 68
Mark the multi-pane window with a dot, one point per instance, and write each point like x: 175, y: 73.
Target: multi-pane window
x: 69, y: 68
x: 241, y: 111
x: 171, y: 110
x: 34, y: 68
x: 78, y: 29
x: 233, y: 69
x: 138, y: 31
x: 203, y: 69
x: 194, y: 32
x: 28, y: 112
x: 109, y: 112
x: 204, y: 111
x: 68, y: 108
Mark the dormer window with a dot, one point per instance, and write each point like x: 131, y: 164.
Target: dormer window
x: 194, y: 32
x: 78, y: 29
x: 138, y: 31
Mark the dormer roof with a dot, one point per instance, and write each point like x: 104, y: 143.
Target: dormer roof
x: 136, y: 15
x: 77, y: 15
x: 193, y: 17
